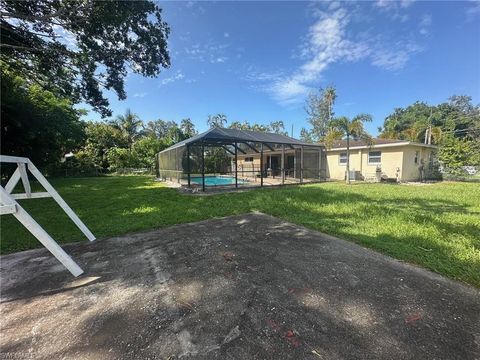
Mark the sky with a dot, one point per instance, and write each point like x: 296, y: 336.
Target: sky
x: 257, y: 61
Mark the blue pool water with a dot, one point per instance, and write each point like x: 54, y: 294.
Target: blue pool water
x: 215, y: 180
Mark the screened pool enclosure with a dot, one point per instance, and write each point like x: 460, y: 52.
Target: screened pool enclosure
x: 240, y: 158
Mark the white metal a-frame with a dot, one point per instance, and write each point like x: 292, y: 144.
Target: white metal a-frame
x: 9, y: 205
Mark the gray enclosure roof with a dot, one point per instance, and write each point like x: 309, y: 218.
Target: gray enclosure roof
x: 228, y: 136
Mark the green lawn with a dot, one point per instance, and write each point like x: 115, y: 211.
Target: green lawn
x: 435, y: 226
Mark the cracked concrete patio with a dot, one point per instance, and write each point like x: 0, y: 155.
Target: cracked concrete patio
x: 244, y: 287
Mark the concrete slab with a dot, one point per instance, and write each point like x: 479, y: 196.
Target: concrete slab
x: 243, y: 287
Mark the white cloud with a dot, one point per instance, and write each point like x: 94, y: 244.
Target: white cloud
x: 426, y: 20
x: 326, y: 43
x: 473, y: 10
x: 178, y: 76
x: 390, y: 60
x: 226, y: 34
x: 140, y: 95
x: 425, y: 23
x: 211, y: 52
x: 219, y: 60
x: 331, y: 40
x: 393, y: 4
x: 395, y: 8
x: 394, y: 57
x: 406, y: 3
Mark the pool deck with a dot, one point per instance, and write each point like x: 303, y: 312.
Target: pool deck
x: 244, y: 287
x: 243, y: 184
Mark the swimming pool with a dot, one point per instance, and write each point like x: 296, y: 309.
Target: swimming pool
x: 215, y: 180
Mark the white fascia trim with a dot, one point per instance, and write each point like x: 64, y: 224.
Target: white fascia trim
x: 405, y: 143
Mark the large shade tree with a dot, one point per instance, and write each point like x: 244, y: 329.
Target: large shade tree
x: 348, y: 129
x: 453, y: 125
x: 78, y: 49
x: 36, y: 123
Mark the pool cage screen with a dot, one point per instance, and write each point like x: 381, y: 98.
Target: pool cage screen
x: 240, y: 163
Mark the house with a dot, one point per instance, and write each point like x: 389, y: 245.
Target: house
x: 386, y: 158
x: 221, y: 157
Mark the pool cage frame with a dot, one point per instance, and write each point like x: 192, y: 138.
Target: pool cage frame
x: 240, y: 143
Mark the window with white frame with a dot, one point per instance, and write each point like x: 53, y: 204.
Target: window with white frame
x: 249, y: 159
x: 416, y: 157
x: 342, y: 158
x: 374, y: 157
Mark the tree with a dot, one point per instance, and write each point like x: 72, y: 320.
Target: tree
x: 343, y: 127
x: 458, y: 116
x: 129, y: 124
x: 278, y: 127
x: 217, y: 121
x: 156, y: 129
x: 458, y: 152
x: 319, y: 109
x: 144, y: 150
x: 36, y: 123
x: 444, y: 125
x: 306, y: 136
x: 119, y: 158
x: 75, y: 49
x: 240, y: 126
x: 100, y: 138
x: 188, y: 128
x: 260, y: 128
x: 401, y: 123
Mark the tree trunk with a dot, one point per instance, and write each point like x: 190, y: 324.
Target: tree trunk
x: 348, y: 159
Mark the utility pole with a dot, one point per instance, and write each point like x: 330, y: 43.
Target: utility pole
x: 428, y: 134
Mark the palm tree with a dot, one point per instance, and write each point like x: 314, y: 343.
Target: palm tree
x: 129, y: 124
x: 217, y: 121
x: 330, y: 95
x: 343, y: 127
x: 188, y: 128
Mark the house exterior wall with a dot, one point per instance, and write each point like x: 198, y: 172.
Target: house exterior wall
x: 410, y: 170
x: 335, y: 170
x: 394, y: 160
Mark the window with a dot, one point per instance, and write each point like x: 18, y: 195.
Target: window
x: 416, y: 157
x: 374, y: 157
x: 249, y: 159
x: 342, y: 158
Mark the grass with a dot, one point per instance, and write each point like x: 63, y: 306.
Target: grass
x: 435, y: 226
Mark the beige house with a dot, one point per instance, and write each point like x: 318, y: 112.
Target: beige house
x: 386, y: 158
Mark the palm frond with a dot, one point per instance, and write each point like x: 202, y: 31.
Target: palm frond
x: 332, y: 135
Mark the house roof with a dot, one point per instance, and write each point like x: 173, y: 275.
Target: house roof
x: 359, y: 144
x: 229, y: 136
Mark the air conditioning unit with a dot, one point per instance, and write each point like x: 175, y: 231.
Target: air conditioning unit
x: 354, y: 175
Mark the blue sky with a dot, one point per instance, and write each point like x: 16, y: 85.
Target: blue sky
x: 256, y: 61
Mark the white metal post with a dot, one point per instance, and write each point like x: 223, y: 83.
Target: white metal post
x: 301, y: 164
